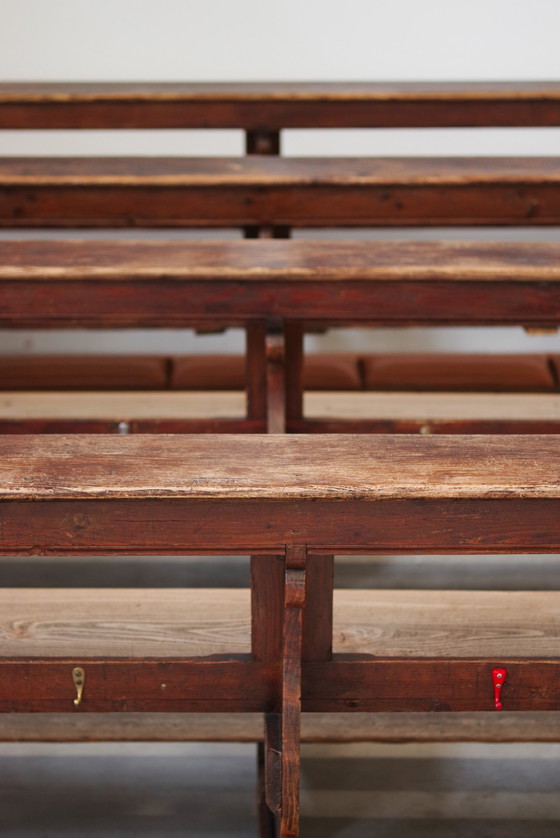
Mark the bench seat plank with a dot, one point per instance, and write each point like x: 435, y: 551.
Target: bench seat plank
x: 258, y: 190
x: 278, y: 105
x: 106, y: 623
x: 120, y: 284
x: 274, y: 467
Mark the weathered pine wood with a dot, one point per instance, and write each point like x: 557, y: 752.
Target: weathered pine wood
x: 70, y: 284
x: 273, y: 191
x: 276, y: 467
x: 268, y: 105
x: 514, y: 726
x: 163, y: 623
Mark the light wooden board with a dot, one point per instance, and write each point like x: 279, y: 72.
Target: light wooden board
x: 278, y: 467
x: 117, y: 406
x: 249, y: 727
x: 433, y: 406
x: 199, y: 622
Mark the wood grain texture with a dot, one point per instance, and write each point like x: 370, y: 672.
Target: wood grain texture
x: 514, y: 726
x: 378, y: 685
x: 115, y: 284
x: 164, y: 526
x: 211, y: 622
x: 256, y: 106
x: 279, y: 261
x: 276, y: 467
x: 278, y: 192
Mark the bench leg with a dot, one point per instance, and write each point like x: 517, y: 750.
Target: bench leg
x: 274, y: 375
x: 278, y: 602
x: 267, y: 619
x: 291, y: 691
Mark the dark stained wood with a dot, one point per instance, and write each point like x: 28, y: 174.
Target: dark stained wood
x: 274, y: 191
x: 419, y: 426
x: 410, y: 684
x: 135, y: 426
x: 275, y: 349
x: 114, y: 685
x: 294, y: 603
x: 255, y: 371
x: 118, y: 284
x: 399, y: 684
x: 262, y: 142
x: 293, y: 372
x: 278, y: 105
x: 177, y: 527
x: 267, y: 607
x: 318, y: 615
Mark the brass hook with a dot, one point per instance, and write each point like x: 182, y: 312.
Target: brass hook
x: 79, y: 677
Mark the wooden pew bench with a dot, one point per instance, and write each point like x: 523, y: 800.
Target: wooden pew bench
x: 265, y: 195
x: 277, y: 290
x: 291, y: 501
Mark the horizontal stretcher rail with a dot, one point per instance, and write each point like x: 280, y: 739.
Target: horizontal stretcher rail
x: 382, y: 685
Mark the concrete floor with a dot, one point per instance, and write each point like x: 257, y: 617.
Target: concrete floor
x: 167, y: 790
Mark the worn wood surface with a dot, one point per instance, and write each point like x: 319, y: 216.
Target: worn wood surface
x: 514, y: 726
x: 279, y: 261
x: 276, y: 467
x: 210, y: 622
x: 115, y: 284
x: 273, y: 191
x: 269, y: 105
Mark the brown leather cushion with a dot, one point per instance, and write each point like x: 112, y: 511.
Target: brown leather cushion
x: 227, y: 372
x: 555, y: 367
x: 87, y: 372
x: 448, y: 373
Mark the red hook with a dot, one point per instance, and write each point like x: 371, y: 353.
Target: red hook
x: 498, y: 678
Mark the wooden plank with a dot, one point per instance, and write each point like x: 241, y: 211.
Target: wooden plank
x: 278, y: 105
x: 203, y: 622
x: 169, y: 685
x: 273, y: 191
x: 419, y: 407
x: 412, y: 684
x: 119, y: 406
x: 514, y: 726
x: 398, y: 684
x: 273, y: 467
x: 426, y: 407
x: 165, y: 526
x: 115, y: 284
x: 277, y: 260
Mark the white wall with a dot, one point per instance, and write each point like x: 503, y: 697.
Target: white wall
x: 61, y: 40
